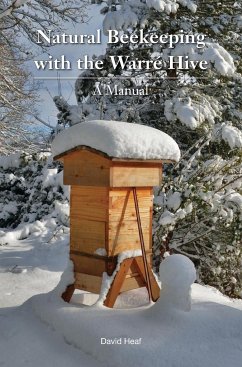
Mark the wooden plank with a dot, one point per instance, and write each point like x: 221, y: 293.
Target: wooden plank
x: 89, y: 283
x: 142, y: 161
x: 89, y: 203
x: 86, y: 169
x: 88, y: 265
x: 123, y: 227
x: 66, y: 296
x: 122, y: 191
x: 155, y: 289
x: 122, y: 176
x: 122, y: 202
x: 87, y: 236
x: 117, y: 283
x: 126, y: 242
x: 128, y: 227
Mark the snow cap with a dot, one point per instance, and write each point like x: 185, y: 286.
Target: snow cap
x: 177, y: 271
x: 118, y: 140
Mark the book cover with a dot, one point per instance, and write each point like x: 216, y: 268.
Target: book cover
x: 120, y: 220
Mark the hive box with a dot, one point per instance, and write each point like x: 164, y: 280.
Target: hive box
x: 103, y: 221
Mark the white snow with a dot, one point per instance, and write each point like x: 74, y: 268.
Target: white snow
x: 167, y: 218
x: 167, y: 6
x: 174, y: 200
x: 171, y: 6
x: 232, y: 135
x: 10, y: 161
x: 118, y: 139
x: 120, y: 20
x: 101, y: 251
x: 177, y: 274
x: 216, y: 56
x: 49, y: 177
x: 191, y: 112
x: 45, y: 331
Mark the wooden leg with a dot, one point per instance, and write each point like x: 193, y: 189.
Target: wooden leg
x: 117, y: 283
x: 68, y: 293
x: 155, y: 289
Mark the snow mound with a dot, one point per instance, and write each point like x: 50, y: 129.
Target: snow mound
x: 177, y: 274
x: 177, y: 271
x: 118, y: 140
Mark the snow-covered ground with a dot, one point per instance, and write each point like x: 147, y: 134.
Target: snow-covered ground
x: 39, y: 329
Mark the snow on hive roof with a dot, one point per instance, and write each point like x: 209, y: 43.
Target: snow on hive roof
x: 118, y: 140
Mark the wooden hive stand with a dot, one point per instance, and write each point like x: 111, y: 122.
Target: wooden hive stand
x: 111, y: 206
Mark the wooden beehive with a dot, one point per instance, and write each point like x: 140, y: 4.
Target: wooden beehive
x: 103, y: 218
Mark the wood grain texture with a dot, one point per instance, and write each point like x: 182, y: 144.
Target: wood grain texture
x: 89, y: 283
x: 123, y: 231
x: 89, y: 203
x: 155, y: 289
x: 122, y: 200
x: 86, y: 168
x: 117, y: 283
x: 133, y: 176
x: 88, y: 265
x: 87, y: 236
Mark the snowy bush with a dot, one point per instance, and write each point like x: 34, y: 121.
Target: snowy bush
x: 31, y: 190
x: 198, y: 213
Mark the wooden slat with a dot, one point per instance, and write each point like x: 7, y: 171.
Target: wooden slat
x: 122, y: 176
x: 128, y: 227
x: 127, y: 242
x: 122, y: 202
x: 88, y: 265
x: 87, y: 236
x: 89, y: 283
x: 122, y: 191
x: 155, y: 289
x: 117, y: 283
x: 87, y: 169
x: 89, y: 203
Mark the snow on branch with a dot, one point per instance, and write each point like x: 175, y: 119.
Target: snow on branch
x: 171, y: 6
x: 231, y: 135
x: 12, y: 7
x: 193, y: 110
x: 121, y: 19
x: 132, y: 12
x: 212, y: 52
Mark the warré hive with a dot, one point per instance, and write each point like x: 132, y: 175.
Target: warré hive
x: 104, y: 219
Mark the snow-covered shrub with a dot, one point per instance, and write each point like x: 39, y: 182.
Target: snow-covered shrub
x: 31, y: 189
x: 198, y: 212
